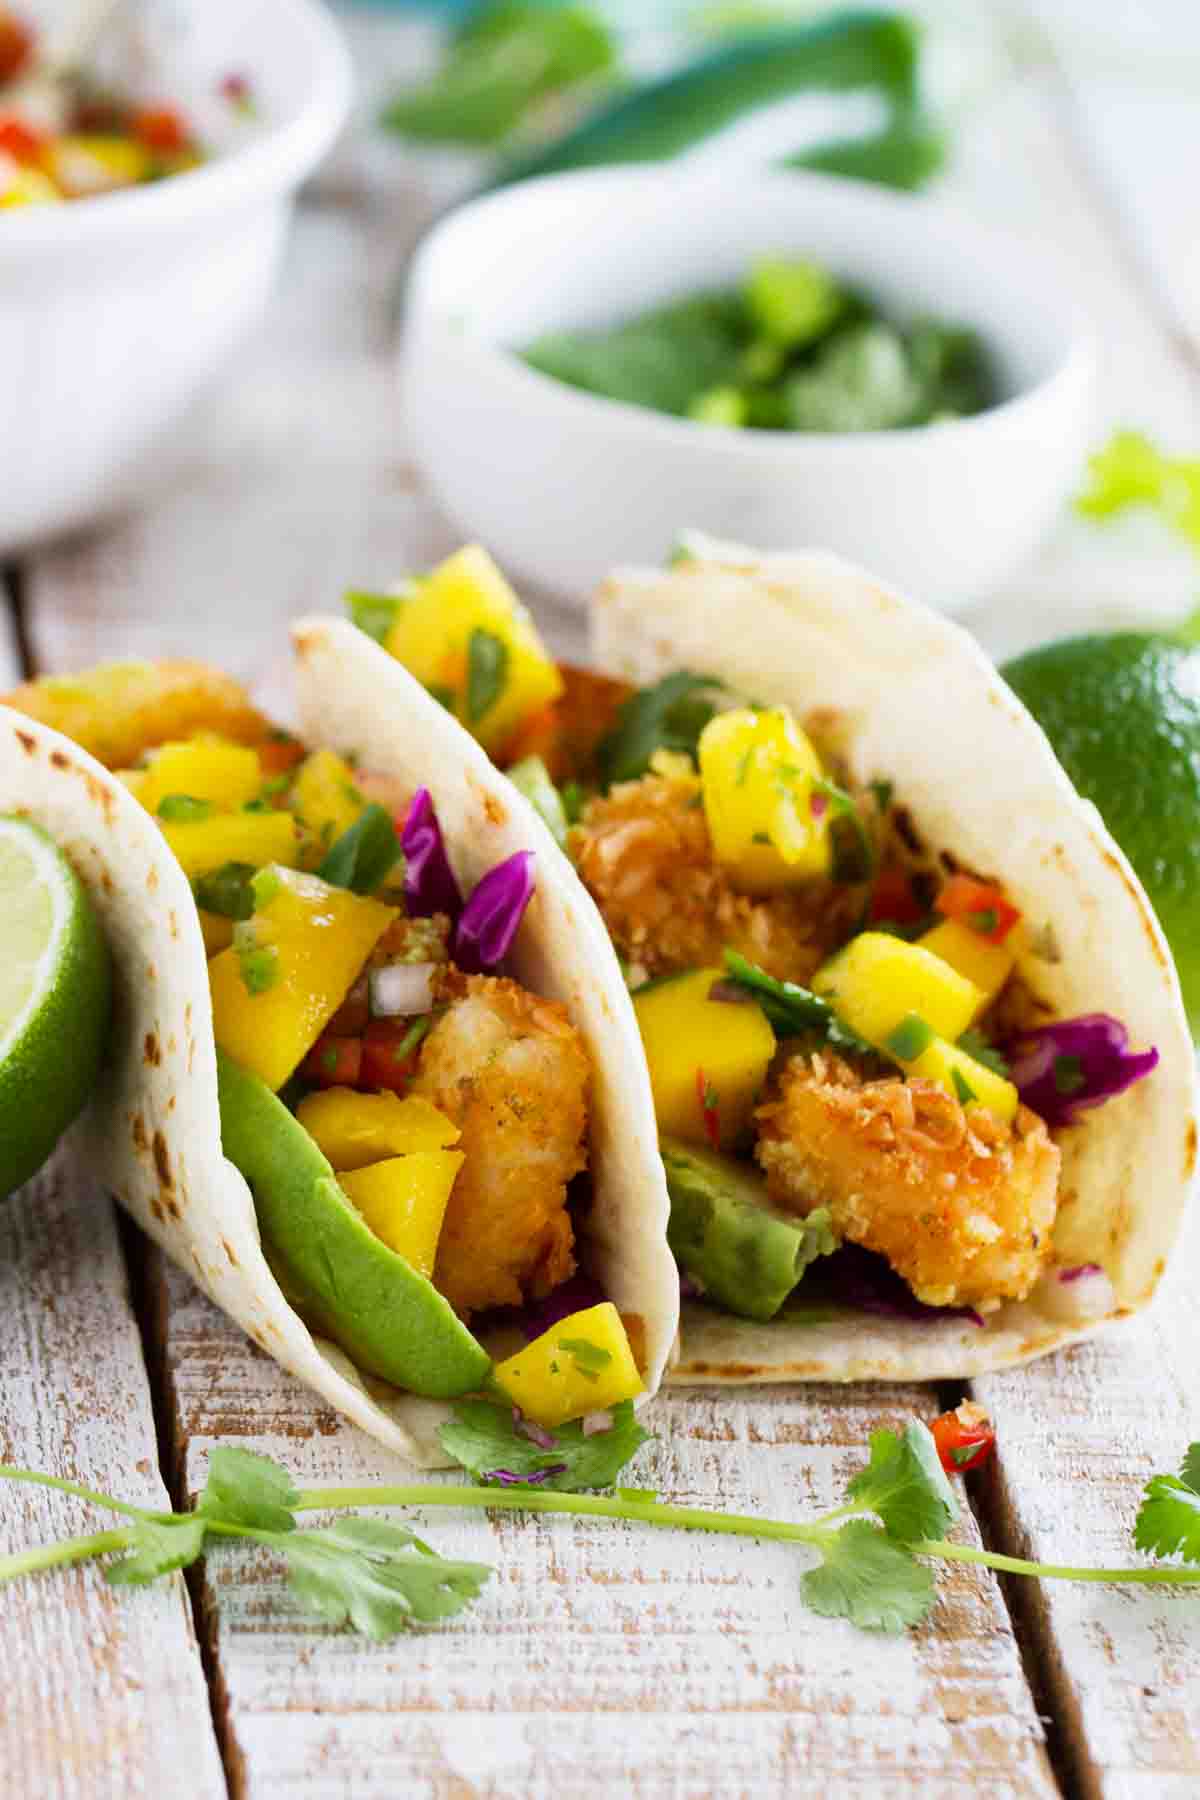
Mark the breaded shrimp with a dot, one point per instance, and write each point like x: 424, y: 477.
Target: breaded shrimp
x: 961, y: 1204
x: 511, y: 1071
x: 119, y: 710
x: 645, y: 853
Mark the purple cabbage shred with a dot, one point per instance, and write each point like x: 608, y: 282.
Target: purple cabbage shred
x: 576, y: 1294
x: 508, y: 1477
x: 1079, y: 1271
x: 1060, y: 1070
x: 537, y: 1434
x: 489, y: 920
x: 860, y: 1279
x: 429, y: 883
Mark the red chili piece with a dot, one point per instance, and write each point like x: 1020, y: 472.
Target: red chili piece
x: 383, y: 1064
x: 893, y: 899
x: 980, y: 905
x: 964, y: 1438
x: 161, y: 129
x: 708, y: 1109
x: 17, y: 139
x: 334, y: 1062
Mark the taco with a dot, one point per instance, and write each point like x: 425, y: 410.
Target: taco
x: 369, y: 1072
x: 923, y: 1078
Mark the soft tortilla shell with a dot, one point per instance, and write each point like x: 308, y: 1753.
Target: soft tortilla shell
x: 922, y: 706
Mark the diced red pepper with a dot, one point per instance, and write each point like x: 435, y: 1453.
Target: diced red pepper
x: 980, y: 905
x: 161, y: 129
x: 386, y: 1063
x: 334, y: 1062
x: 16, y: 43
x: 964, y: 1438
x: 707, y: 1097
x: 19, y: 140
x: 893, y: 898
x: 353, y: 1015
x: 279, y: 753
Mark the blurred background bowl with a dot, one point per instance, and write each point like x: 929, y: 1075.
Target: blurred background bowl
x: 561, y: 484
x: 116, y: 311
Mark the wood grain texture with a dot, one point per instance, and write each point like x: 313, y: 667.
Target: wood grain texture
x: 103, y: 1692
x: 603, y: 1657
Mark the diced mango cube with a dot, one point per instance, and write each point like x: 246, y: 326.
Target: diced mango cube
x: 768, y: 827
x: 206, y: 768
x: 404, y: 1201
x: 354, y: 1129
x: 988, y: 965
x: 878, y: 981
x: 583, y: 1364
x: 465, y: 635
x: 325, y: 798
x: 95, y: 163
x: 704, y: 1056
x: 202, y: 845
x: 27, y: 186
x: 217, y: 931
x: 966, y: 1078
x: 320, y: 937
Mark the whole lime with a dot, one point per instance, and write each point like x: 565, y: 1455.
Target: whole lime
x: 1123, y: 714
x: 55, y: 985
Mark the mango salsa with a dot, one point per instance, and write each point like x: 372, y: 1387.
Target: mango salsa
x: 879, y: 983
x: 325, y: 798
x: 758, y: 770
x: 988, y: 965
x: 206, y: 768
x: 966, y: 1078
x: 707, y: 1059
x: 202, y: 845
x: 403, y: 1200
x: 466, y: 636
x: 583, y: 1364
x: 354, y: 1129
x: 309, y: 942
x: 216, y: 930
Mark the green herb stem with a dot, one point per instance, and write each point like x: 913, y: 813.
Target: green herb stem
x: 1016, y: 1565
x: 68, y: 1550
x: 36, y: 1479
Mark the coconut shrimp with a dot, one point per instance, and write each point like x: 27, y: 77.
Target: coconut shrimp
x: 645, y: 853
x: 511, y: 1071
x: 961, y: 1204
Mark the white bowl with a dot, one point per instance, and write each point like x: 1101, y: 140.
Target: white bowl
x: 116, y: 311
x: 561, y: 484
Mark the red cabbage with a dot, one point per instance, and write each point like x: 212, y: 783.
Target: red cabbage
x: 860, y: 1279
x: 1060, y: 1070
x: 527, y: 1428
x: 489, y: 920
x: 574, y: 1295
x: 429, y: 884
x: 508, y: 1478
x: 1079, y: 1271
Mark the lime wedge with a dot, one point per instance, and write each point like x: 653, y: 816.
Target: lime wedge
x: 55, y: 986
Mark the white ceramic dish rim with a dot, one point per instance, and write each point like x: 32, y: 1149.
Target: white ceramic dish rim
x: 1072, y: 365
x: 271, y: 160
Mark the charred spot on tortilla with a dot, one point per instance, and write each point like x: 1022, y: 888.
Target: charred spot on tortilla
x: 162, y: 1163
x: 58, y: 760
x: 230, y: 1252
x: 1189, y: 1150
x: 906, y: 831
x: 27, y: 742
x: 151, y: 1052
x: 173, y: 923
x: 140, y: 1141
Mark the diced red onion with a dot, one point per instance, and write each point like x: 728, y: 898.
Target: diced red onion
x: 1079, y: 1271
x: 489, y: 920
x: 1060, y: 1070
x: 402, y: 990
x: 728, y: 993
x: 511, y: 1478
x: 596, y: 1422
x: 690, y: 1288
x: 528, y: 1428
x: 429, y: 883
x: 576, y: 1294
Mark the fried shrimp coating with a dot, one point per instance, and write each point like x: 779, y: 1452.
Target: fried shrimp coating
x: 511, y: 1071
x: 119, y: 710
x: 961, y: 1204
x: 645, y: 853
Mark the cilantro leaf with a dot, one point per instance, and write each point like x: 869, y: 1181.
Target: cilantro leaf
x: 977, y: 1046
x: 226, y: 890
x: 364, y: 854
x: 373, y: 613
x: 1190, y: 1471
x: 668, y: 716
x: 1168, y: 1521
x: 246, y: 1489
x: 158, y: 1547
x: 485, y: 1440
x: 791, y: 1010
x: 905, y: 1485
x: 487, y: 672
x: 378, y: 1576
x: 869, y: 1579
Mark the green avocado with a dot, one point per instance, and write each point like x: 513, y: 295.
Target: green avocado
x: 349, y: 1285
x: 723, y: 1230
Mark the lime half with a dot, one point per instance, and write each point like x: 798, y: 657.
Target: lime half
x: 55, y: 987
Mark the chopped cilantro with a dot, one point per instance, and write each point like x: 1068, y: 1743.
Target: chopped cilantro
x: 487, y: 672
x: 962, y: 1087
x: 912, y: 1035
x: 373, y: 613
x: 258, y: 966
x: 572, y: 801
x: 1068, y: 1075
x: 589, y: 1358
x: 985, y: 921
x: 483, y: 1438
x: 669, y: 716
x: 179, y: 809
x: 791, y: 1010
x: 226, y: 890
x: 977, y: 1046
x: 364, y: 855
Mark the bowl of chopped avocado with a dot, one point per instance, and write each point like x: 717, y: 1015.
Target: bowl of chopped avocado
x: 594, y: 360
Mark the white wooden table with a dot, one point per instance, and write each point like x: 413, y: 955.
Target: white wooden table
x: 601, y: 1658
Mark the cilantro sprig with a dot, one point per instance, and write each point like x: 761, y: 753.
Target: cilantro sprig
x: 873, y: 1553
x: 792, y: 1010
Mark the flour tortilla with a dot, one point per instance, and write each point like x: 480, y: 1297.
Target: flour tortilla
x: 152, y: 1133
x: 922, y: 707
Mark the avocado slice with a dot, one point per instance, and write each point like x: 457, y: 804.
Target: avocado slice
x: 347, y: 1283
x: 747, y: 1253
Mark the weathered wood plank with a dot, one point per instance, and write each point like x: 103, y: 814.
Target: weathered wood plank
x: 1083, y: 1432
x: 104, y: 1694
x: 604, y: 1657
